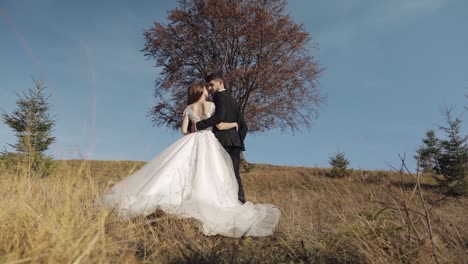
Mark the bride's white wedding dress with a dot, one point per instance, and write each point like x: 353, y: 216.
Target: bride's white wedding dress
x: 193, y: 177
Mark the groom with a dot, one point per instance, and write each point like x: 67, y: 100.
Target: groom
x: 227, y: 110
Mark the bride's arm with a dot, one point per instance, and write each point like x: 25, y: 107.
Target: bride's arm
x: 226, y: 126
x: 185, y: 123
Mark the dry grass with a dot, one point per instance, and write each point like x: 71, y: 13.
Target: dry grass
x: 52, y: 220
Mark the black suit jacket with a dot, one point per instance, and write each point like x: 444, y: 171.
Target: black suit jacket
x: 227, y: 110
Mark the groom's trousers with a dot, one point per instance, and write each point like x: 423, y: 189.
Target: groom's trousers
x: 234, y: 152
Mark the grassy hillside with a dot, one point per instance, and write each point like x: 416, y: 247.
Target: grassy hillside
x: 360, y: 219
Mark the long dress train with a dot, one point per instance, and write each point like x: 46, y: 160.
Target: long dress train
x: 193, y: 177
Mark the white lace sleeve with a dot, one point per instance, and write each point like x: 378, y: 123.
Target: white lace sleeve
x: 186, y: 111
x: 189, y: 112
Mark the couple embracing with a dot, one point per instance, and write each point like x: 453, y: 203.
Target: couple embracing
x: 198, y: 175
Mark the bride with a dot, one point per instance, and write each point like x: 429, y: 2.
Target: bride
x: 194, y: 177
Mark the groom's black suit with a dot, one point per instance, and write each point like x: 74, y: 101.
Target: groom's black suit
x: 228, y: 110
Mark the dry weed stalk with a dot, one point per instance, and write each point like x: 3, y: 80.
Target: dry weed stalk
x: 407, y: 208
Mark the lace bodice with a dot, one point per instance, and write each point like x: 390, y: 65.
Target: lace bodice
x: 188, y: 111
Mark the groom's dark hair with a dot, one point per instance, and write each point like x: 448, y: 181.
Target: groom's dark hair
x: 215, y: 76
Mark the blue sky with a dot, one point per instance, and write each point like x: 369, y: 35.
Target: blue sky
x: 389, y: 68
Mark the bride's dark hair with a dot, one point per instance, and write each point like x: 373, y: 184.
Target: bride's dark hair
x: 195, y: 92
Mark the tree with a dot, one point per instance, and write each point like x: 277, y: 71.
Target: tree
x: 339, y: 165
x: 257, y: 47
x: 32, y: 125
x: 453, y: 161
x: 429, y: 153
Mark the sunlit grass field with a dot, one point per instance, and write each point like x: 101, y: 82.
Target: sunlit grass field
x: 358, y: 219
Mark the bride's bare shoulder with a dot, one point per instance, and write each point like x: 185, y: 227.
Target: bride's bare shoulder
x: 192, y: 106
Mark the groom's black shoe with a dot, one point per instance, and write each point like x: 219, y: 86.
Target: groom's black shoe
x: 242, y: 201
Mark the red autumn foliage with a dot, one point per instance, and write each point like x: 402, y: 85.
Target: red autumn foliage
x: 257, y: 46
